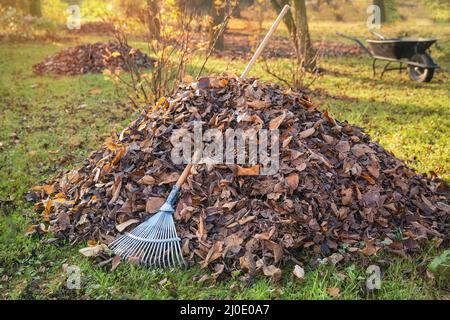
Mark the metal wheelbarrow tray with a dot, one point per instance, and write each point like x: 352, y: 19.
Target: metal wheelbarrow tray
x: 406, y: 51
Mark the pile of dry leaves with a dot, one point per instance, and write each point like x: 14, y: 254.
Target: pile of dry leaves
x: 337, y: 193
x: 97, y: 27
x: 93, y: 58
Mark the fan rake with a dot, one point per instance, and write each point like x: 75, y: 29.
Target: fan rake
x: 155, y: 243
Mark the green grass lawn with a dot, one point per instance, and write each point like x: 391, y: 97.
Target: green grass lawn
x: 48, y: 124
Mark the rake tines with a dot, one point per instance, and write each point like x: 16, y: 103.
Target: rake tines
x: 154, y: 242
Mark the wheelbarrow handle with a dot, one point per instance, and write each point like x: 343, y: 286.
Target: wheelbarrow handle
x: 378, y: 35
x: 359, y: 42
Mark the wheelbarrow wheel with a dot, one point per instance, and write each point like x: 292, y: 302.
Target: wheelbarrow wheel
x: 421, y: 74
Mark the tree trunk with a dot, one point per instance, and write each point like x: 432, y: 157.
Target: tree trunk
x: 218, y: 8
x: 35, y: 8
x: 154, y: 25
x: 296, y: 21
x: 380, y: 4
x: 307, y: 52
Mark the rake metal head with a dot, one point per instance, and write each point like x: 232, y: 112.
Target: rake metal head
x: 154, y: 242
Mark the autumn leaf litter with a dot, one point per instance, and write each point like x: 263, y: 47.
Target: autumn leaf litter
x: 94, y: 58
x: 337, y: 194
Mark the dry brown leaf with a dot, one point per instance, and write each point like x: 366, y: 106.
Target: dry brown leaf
x: 169, y: 178
x: 201, y: 232
x: 370, y: 249
x: 48, y: 189
x: 112, y: 145
x: 273, y: 272
x: 293, y: 180
x: 307, y: 133
x: 233, y: 243
x: 115, y: 263
x: 48, y: 208
x: 246, y: 219
x: 265, y: 235
x: 230, y: 205
x: 121, y: 227
x: 215, y: 252
x: 329, y: 118
x: 301, y: 167
x: 334, y: 292
x: 299, y: 272
x: 153, y: 204
x: 119, y: 155
x: 94, y: 251
x: 31, y: 229
x: 147, y: 180
x: 343, y: 146
x: 374, y: 169
x: 276, y: 249
x: 251, y: 171
x: 347, y: 195
x: 368, y: 178
x: 276, y: 122
x: 257, y: 104
x: 218, y: 270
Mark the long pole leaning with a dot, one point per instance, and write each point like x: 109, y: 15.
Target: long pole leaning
x: 264, y: 42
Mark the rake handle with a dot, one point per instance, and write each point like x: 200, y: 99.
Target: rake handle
x: 265, y: 40
x: 187, y: 170
x: 182, y: 179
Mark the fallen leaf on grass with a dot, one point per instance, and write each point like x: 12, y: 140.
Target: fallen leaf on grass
x: 334, y: 292
x: 31, y: 229
x: 299, y: 272
x: 273, y: 272
x: 218, y: 269
x: 115, y: 263
x: 48, y: 208
x: 94, y: 251
x: 95, y: 90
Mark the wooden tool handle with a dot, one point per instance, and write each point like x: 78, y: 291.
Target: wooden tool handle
x: 265, y: 40
x: 187, y: 169
x: 184, y: 175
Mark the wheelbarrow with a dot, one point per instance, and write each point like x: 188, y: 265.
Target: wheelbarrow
x: 406, y: 51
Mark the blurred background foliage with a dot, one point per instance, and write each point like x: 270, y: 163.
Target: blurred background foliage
x: 53, y: 12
